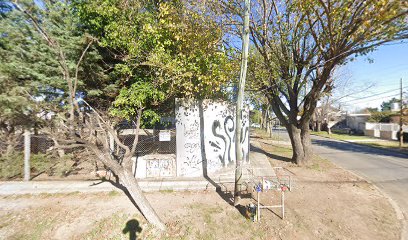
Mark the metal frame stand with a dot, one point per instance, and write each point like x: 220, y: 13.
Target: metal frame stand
x: 281, y: 206
x: 279, y: 183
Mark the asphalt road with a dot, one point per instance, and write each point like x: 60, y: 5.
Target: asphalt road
x: 385, y: 169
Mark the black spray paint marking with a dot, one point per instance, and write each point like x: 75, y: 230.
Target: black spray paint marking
x: 228, y: 131
x: 216, y: 124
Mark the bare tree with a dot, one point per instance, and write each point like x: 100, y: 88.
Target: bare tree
x: 302, y: 42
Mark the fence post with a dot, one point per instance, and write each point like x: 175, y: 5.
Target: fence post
x: 27, y: 152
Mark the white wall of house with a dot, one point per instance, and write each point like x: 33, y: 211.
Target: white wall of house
x: 357, y: 121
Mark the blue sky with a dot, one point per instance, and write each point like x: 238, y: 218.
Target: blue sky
x: 383, y: 75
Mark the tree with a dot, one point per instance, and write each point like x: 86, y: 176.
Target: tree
x: 155, y: 51
x: 171, y: 44
x: 87, y: 130
x: 165, y: 49
x: 302, y: 42
x: 325, y: 115
x: 256, y: 116
x: 15, y: 80
x: 372, y: 109
x: 30, y: 82
x: 386, y: 105
x: 381, y: 117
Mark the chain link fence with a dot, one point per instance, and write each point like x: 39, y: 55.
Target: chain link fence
x: 158, y: 140
x: 41, y: 144
x: 151, y: 141
x: 32, y: 148
x: 46, y: 158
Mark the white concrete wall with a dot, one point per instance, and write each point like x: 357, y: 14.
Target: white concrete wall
x: 211, y: 124
x: 370, y: 126
x: 388, y: 135
x: 387, y: 131
x: 372, y: 132
x: 382, y: 126
x: 188, y: 150
x: 155, y: 166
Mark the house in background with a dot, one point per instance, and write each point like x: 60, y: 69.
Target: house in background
x: 357, y: 121
x: 325, y: 117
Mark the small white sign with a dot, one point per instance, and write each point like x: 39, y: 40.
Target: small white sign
x: 164, y: 136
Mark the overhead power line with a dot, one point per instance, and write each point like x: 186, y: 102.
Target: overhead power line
x: 369, y: 100
x: 375, y: 95
x: 365, y: 97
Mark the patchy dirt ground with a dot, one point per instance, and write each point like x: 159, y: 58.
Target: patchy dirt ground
x: 326, y: 203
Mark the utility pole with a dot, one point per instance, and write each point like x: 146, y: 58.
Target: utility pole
x: 401, y: 142
x: 240, y: 103
x: 27, y: 151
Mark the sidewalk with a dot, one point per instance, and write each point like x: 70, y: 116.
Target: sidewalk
x: 259, y: 162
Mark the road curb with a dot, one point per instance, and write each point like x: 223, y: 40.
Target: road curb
x: 55, y: 187
x: 398, y: 212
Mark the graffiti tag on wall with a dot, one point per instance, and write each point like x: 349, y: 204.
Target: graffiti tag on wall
x: 159, y: 168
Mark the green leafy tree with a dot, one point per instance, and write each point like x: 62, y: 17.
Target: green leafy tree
x: 386, y: 105
x: 79, y: 124
x: 164, y: 50
x: 33, y: 82
x: 381, y: 117
x: 169, y: 45
x: 29, y: 69
x: 155, y: 52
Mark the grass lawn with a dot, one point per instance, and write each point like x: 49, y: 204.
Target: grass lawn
x: 387, y: 145
x: 365, y: 140
x: 344, y: 137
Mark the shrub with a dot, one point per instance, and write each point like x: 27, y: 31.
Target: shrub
x: 405, y: 135
x: 380, y: 117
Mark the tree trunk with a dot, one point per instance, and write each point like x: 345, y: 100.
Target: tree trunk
x: 318, y: 126
x: 60, y: 151
x: 306, y: 143
x: 9, y: 149
x: 268, y: 122
x: 296, y: 140
x: 130, y: 183
x: 128, y: 180
x: 263, y: 119
x: 301, y: 144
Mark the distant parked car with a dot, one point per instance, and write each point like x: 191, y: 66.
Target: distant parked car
x: 255, y: 125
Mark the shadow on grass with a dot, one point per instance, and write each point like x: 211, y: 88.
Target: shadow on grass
x: 133, y: 228
x: 270, y: 155
x: 119, y: 186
